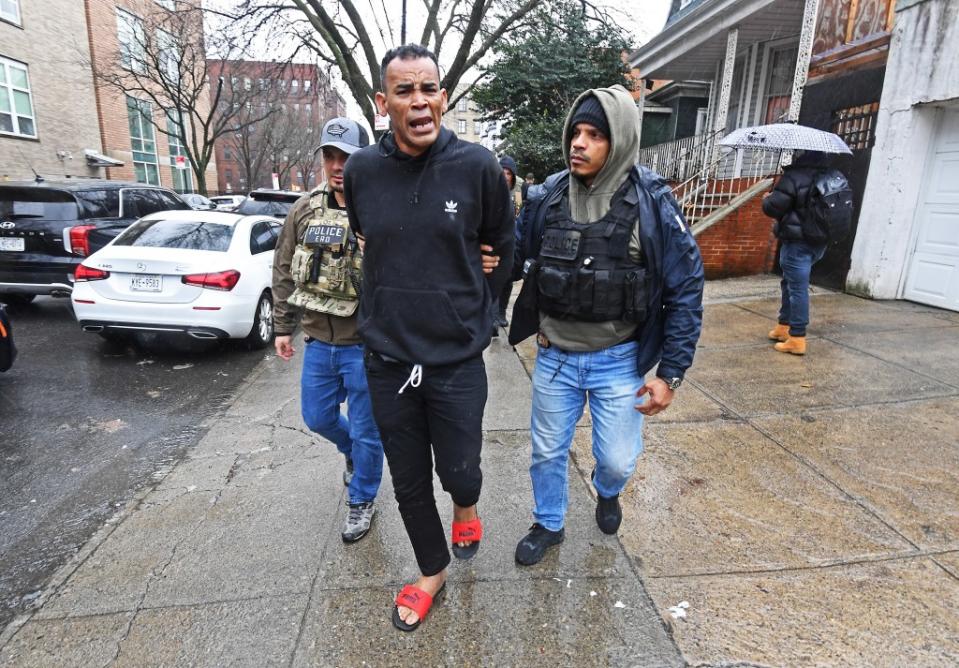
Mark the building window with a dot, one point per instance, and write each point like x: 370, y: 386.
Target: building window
x: 856, y: 125
x: 308, y: 108
x: 10, y: 11
x: 182, y: 178
x: 461, y: 127
x: 779, y: 84
x: 227, y: 153
x: 131, y: 36
x: 477, y: 128
x: 295, y: 85
x: 306, y: 85
x: 462, y: 104
x: 16, y: 104
x: 169, y: 56
x: 228, y: 177
x: 143, y: 141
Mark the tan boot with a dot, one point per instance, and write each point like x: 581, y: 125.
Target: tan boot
x: 779, y: 333
x: 794, y: 344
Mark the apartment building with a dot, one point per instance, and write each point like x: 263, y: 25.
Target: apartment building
x: 117, y: 30
x: 296, y: 99
x: 463, y: 117
x: 48, y: 113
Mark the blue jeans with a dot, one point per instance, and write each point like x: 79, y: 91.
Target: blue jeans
x: 329, y: 373
x: 796, y: 259
x: 562, y: 383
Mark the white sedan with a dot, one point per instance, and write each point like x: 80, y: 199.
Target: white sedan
x: 205, y: 274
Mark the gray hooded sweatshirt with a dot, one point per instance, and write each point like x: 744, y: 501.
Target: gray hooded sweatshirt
x: 590, y: 204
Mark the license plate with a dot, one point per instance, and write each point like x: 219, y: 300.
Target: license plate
x: 12, y: 244
x: 146, y: 283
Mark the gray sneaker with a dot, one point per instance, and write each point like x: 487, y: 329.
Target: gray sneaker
x: 348, y: 473
x: 358, y: 521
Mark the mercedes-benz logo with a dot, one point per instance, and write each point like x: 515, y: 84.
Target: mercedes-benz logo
x: 141, y: 266
x: 7, y: 225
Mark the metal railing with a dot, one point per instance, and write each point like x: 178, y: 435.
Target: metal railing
x: 679, y: 159
x: 725, y: 183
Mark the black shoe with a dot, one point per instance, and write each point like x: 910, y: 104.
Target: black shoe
x: 500, y: 320
x: 609, y: 514
x: 530, y: 550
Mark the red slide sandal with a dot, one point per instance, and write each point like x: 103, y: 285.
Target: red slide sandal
x: 418, y: 601
x: 467, y: 531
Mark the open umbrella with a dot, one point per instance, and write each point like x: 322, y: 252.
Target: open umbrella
x: 785, y: 137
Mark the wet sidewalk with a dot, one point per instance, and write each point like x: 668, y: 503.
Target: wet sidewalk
x: 806, y: 509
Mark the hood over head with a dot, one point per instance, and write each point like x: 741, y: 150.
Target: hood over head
x: 590, y: 204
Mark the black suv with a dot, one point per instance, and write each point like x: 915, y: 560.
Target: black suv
x: 48, y: 227
x: 263, y: 202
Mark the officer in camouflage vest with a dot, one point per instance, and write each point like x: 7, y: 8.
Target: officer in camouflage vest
x: 316, y: 281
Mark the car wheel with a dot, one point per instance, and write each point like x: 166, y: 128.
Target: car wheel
x: 261, y: 334
x: 16, y: 299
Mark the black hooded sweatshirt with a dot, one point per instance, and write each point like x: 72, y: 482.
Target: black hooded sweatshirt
x: 425, y: 298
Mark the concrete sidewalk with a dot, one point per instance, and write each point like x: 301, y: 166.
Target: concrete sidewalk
x: 805, y: 508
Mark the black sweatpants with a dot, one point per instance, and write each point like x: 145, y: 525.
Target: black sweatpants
x: 441, y: 419
x: 503, y: 301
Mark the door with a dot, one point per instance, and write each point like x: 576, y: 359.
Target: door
x: 933, y: 274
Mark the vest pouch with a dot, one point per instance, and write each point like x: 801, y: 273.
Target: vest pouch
x: 587, y: 281
x: 300, y: 265
x: 553, y: 283
x: 635, y: 296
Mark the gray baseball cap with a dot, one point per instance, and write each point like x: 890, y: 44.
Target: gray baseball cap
x: 344, y: 134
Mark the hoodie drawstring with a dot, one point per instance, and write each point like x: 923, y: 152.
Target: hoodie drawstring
x: 416, y: 377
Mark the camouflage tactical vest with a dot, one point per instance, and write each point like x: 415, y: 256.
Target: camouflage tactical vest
x: 326, y: 265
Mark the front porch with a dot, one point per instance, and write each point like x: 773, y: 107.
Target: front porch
x: 753, y: 55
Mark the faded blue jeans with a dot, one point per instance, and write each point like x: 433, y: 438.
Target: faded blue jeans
x: 330, y: 374
x: 562, y: 383
x: 796, y: 259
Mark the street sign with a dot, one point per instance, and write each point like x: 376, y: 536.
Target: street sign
x: 179, y: 162
x: 276, y: 181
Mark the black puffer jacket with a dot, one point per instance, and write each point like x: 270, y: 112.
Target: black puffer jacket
x: 788, y: 201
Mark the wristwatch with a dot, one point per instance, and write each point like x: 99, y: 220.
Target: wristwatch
x: 672, y: 383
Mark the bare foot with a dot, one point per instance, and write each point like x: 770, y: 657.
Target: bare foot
x: 461, y: 514
x: 430, y: 584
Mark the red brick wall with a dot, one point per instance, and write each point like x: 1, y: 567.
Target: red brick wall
x: 741, y: 244
x: 112, y: 105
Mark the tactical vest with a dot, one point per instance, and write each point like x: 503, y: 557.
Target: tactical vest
x: 327, y: 262
x: 585, y: 271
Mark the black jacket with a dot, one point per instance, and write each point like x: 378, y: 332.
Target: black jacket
x: 425, y: 297
x: 674, y: 267
x: 789, y: 199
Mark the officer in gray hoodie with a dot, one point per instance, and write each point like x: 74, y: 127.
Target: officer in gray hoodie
x: 617, y: 282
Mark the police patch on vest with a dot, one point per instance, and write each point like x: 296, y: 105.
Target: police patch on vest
x: 560, y: 244
x: 325, y: 235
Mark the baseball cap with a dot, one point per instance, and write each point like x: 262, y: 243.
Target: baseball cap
x: 344, y: 134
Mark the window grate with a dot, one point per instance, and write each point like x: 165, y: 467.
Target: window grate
x: 856, y: 125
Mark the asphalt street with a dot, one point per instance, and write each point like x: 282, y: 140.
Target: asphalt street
x: 85, y: 423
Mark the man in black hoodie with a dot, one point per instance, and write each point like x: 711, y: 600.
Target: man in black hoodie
x: 424, y: 202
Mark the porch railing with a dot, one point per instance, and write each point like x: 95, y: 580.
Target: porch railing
x: 679, y: 159
x: 711, y: 182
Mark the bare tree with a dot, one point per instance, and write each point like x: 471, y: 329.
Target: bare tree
x: 163, y: 59
x: 352, y: 39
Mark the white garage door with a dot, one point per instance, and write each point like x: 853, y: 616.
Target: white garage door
x: 933, y: 276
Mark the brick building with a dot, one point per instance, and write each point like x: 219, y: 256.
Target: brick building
x: 48, y: 114
x: 296, y: 99
x: 115, y: 29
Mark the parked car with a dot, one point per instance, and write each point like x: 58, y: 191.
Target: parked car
x: 8, y: 351
x: 262, y: 202
x: 198, y: 202
x: 227, y: 202
x: 47, y: 227
x: 205, y: 274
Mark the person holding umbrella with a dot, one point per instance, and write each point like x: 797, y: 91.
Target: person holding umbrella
x: 788, y: 203
x: 812, y: 205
